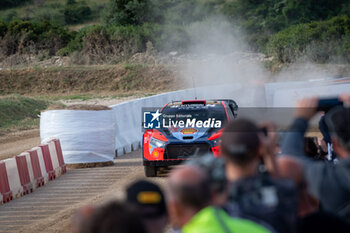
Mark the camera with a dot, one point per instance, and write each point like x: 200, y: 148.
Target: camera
x: 328, y: 103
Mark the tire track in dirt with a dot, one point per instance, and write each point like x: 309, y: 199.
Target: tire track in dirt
x: 49, y: 208
x: 15, y: 143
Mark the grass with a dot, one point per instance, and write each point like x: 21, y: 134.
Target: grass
x: 70, y: 97
x: 20, y: 113
x: 89, y: 96
x: 29, y: 9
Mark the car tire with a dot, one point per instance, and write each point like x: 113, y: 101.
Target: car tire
x: 150, y: 171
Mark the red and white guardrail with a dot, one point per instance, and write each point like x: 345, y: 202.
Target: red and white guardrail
x: 23, y: 173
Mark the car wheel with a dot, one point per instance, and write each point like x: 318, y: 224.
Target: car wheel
x: 150, y: 171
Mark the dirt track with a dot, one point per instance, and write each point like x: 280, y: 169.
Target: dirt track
x: 49, y: 208
x: 15, y: 143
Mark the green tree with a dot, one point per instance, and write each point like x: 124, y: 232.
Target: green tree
x: 10, y: 3
x: 76, y: 12
x: 129, y: 12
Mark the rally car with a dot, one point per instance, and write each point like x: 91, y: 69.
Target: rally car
x: 188, y: 128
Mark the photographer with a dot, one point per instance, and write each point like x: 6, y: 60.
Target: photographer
x: 330, y: 183
x: 255, y: 193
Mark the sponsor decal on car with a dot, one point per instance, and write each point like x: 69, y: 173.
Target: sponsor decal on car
x: 188, y: 131
x: 156, y: 120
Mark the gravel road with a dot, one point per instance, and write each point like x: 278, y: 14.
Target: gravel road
x: 49, y: 208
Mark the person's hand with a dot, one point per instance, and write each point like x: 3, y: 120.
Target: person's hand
x: 271, y: 140
x: 268, y: 146
x: 306, y: 108
x: 345, y: 98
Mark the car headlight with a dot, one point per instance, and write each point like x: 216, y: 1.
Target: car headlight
x: 156, y: 142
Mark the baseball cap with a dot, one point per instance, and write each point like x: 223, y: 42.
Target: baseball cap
x: 148, y: 197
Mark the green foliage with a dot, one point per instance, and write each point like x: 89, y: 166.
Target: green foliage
x: 129, y: 12
x: 11, y: 3
x: 76, y: 12
x: 260, y: 19
x: 53, y: 15
x: 179, y: 12
x: 319, y: 41
x: 3, y: 29
x: 286, y: 29
x: 9, y: 16
x: 168, y: 37
x: 274, y: 15
x: 127, y: 40
x: 182, y: 12
x: 63, y: 12
x: 25, y: 37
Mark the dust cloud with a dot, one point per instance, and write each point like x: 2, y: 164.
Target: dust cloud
x: 219, y: 56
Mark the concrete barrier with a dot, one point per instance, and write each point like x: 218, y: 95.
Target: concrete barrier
x: 13, y: 177
x: 23, y: 171
x: 60, y: 155
x: 286, y: 94
x: 30, y: 168
x: 38, y: 177
x: 6, y: 193
x: 56, y: 157
x: 44, y: 173
x: 48, y: 162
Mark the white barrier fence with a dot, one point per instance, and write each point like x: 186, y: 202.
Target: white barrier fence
x: 128, y: 116
x: 87, y: 136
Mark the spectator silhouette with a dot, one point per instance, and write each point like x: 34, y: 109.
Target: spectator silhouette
x: 116, y: 217
x: 149, y: 199
x: 310, y: 218
x: 329, y: 183
x: 255, y: 193
x: 188, y: 199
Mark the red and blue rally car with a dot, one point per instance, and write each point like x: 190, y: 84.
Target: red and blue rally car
x: 191, y: 127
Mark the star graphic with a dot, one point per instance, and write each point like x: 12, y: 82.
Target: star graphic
x: 156, y: 115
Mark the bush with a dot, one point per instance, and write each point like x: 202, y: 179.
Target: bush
x: 129, y: 12
x: 49, y: 14
x: 121, y: 42
x: 184, y: 12
x: 275, y: 15
x: 76, y: 12
x: 319, y: 41
x: 9, y: 16
x: 29, y: 37
x: 260, y: 19
x: 11, y: 3
x: 100, y: 44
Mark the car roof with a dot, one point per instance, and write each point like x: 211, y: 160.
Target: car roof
x: 194, y: 102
